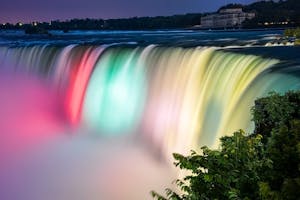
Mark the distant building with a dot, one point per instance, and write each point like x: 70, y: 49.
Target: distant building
x: 226, y: 18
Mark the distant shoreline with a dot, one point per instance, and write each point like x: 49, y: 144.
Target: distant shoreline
x: 269, y: 15
x: 241, y: 29
x: 169, y: 29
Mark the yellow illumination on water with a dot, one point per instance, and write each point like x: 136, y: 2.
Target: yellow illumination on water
x: 177, y: 99
x: 193, y: 96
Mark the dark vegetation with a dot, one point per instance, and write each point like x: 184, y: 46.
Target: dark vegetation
x: 35, y: 30
x: 274, y: 14
x: 263, y: 165
x: 269, y: 14
x: 293, y: 33
x: 135, y: 23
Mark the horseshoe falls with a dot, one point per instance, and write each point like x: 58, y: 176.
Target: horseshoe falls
x: 84, y: 119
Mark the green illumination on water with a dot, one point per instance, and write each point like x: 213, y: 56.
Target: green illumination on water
x: 115, y: 94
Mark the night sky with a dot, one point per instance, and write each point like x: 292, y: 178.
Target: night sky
x: 46, y: 10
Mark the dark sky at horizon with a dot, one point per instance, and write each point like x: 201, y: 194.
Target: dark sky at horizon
x: 46, y: 10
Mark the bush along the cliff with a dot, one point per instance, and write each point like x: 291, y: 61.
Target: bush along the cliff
x: 293, y: 33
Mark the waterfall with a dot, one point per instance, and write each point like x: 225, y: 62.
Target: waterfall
x: 176, y: 99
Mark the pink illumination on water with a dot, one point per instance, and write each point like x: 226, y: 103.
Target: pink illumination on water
x: 43, y: 157
x: 78, y: 83
x: 31, y: 115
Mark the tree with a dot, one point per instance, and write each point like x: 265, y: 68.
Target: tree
x: 274, y: 13
x: 229, y: 173
x: 274, y: 111
x: 283, y: 149
x: 292, y: 33
x: 277, y: 118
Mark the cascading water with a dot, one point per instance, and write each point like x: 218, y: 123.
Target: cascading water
x: 119, y: 104
x: 177, y: 99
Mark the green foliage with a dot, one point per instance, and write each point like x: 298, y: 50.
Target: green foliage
x: 266, y: 193
x: 274, y: 111
x: 283, y: 150
x: 229, y: 173
x: 292, y: 32
x: 264, y: 165
x: 277, y: 118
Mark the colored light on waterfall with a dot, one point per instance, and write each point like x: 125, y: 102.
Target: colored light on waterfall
x: 193, y: 96
x: 79, y: 83
x: 171, y: 114
x: 115, y: 94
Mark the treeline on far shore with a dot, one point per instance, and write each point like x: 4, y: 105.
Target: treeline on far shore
x: 134, y: 23
x: 268, y: 14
